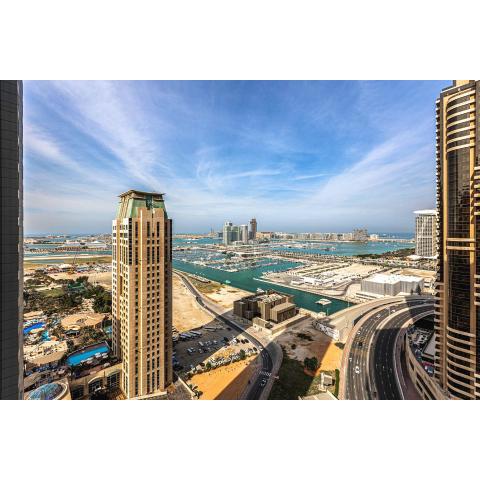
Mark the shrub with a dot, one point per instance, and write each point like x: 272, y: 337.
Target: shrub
x: 311, y: 363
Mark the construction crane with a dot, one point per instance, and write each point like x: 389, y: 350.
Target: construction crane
x: 71, y: 270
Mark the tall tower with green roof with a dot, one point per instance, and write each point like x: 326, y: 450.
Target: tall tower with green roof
x: 142, y: 293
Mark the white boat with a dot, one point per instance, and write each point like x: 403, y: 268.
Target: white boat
x: 259, y: 290
x: 228, y: 281
x: 323, y: 301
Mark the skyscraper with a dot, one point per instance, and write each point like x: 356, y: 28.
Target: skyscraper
x: 425, y: 232
x: 243, y: 231
x: 11, y: 235
x: 457, y: 314
x: 360, y: 235
x: 142, y: 293
x: 253, y: 228
x: 227, y: 233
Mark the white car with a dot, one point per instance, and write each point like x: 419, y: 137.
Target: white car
x: 357, y: 369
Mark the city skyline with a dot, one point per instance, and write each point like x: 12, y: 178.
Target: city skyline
x: 238, y: 149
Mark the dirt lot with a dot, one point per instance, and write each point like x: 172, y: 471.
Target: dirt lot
x: 321, y: 346
x: 225, y: 383
x: 225, y: 296
x: 102, y: 278
x: 186, y: 312
x: 418, y: 273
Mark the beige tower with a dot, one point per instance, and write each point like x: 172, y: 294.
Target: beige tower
x: 457, y: 318
x: 142, y: 293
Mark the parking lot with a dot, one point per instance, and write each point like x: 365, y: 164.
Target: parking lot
x: 208, y: 347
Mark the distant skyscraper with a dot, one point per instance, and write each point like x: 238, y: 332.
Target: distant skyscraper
x: 243, y: 230
x: 234, y: 233
x: 425, y: 232
x: 253, y: 228
x: 457, y: 314
x: 11, y: 235
x: 227, y: 233
x: 142, y: 293
x: 360, y: 235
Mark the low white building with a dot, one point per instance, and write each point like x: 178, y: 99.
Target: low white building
x: 382, y: 284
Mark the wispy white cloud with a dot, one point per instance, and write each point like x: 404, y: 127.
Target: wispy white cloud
x: 310, y: 177
x: 312, y: 164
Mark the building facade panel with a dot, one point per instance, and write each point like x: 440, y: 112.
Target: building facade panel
x: 458, y: 210
x: 11, y: 235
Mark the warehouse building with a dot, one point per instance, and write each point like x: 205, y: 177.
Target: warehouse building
x: 390, y: 285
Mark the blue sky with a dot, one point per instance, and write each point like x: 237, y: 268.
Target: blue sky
x: 299, y: 156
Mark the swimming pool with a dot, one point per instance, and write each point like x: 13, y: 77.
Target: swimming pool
x: 86, y: 353
x: 33, y: 327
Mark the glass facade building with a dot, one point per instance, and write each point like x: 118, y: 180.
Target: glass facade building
x: 457, y: 320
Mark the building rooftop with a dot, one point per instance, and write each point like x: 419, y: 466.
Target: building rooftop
x: 282, y: 307
x: 425, y: 212
x: 393, y: 278
x: 50, y: 391
x: 139, y: 193
x: 132, y: 200
x: 269, y: 297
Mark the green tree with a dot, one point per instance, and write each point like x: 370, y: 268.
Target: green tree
x: 311, y: 363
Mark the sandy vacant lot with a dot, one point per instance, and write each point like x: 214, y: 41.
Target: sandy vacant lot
x: 102, y: 278
x: 225, y: 383
x: 321, y: 346
x: 225, y: 296
x: 186, y: 312
x: 418, y: 273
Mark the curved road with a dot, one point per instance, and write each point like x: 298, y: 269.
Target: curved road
x: 256, y: 388
x: 370, y: 372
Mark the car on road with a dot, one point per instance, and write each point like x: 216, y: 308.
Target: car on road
x: 357, y: 369
x: 263, y: 382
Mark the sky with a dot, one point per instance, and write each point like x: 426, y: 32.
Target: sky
x: 313, y: 156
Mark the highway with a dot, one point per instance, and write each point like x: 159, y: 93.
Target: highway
x: 369, y: 372
x: 256, y: 388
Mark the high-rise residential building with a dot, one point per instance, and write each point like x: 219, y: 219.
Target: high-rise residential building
x: 425, y: 233
x: 457, y: 313
x: 253, y: 228
x: 243, y: 230
x: 11, y: 237
x: 227, y: 233
x: 142, y: 293
x: 234, y: 233
x: 360, y: 235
